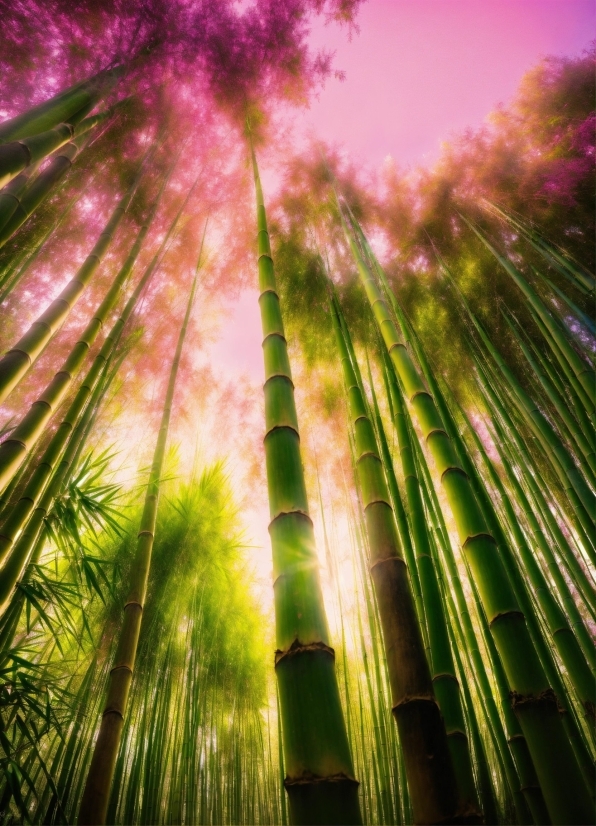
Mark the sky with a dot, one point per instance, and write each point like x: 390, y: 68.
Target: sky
x: 417, y: 72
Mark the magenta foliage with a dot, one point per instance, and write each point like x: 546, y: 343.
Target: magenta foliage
x: 237, y: 51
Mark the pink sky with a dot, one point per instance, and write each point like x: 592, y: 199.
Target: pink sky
x: 418, y: 71
x: 422, y: 69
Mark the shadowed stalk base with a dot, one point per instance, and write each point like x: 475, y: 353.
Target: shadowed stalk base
x: 104, y: 756
x: 429, y: 770
x: 321, y: 801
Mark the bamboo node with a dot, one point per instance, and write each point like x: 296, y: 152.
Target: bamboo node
x: 424, y: 393
x: 281, y: 427
x: 377, y: 502
x: 397, y: 344
x: 299, y: 648
x: 451, y: 468
x: 279, y: 335
x: 546, y: 698
x: 396, y: 558
x: 278, y: 376
x: 414, y: 698
x: 268, y: 290
x: 481, y: 535
x: 308, y: 778
x: 446, y: 676
x: 264, y: 255
x: 504, y: 614
x: 296, y: 512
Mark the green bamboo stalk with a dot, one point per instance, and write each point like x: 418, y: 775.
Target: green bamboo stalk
x: 583, y: 371
x: 584, y: 449
x: 581, y: 497
x: 534, y: 701
x: 96, y: 794
x: 493, y: 403
x: 510, y: 744
x: 17, y: 273
x: 445, y: 681
x: 320, y: 778
x: 18, y: 360
x: 578, y: 275
x: 569, y: 720
x: 583, y: 319
x: 579, y: 396
x: 17, y: 561
x: 10, y: 196
x: 573, y: 655
x: 15, y: 449
x: 42, y: 186
x: 63, y: 107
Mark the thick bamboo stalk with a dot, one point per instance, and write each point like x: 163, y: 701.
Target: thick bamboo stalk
x: 320, y: 778
x: 432, y: 782
x: 10, y: 196
x: 94, y: 803
x: 17, y: 561
x: 534, y: 701
x: 15, y: 364
x: 63, y: 107
x: 509, y: 742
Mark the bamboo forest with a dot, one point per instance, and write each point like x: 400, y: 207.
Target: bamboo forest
x: 297, y: 433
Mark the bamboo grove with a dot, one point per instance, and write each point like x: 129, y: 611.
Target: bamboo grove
x: 429, y: 656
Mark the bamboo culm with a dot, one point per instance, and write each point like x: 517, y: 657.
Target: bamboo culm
x: 320, y: 778
x: 96, y: 794
x: 534, y: 701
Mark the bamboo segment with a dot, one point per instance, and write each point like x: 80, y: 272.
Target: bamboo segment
x: 579, y: 493
x: 17, y: 561
x: 534, y: 701
x: 443, y: 668
x: 63, y: 107
x: 574, y: 659
x: 584, y: 319
x: 18, y: 360
x: 320, y: 778
x: 43, y: 184
x: 94, y: 803
x: 432, y: 783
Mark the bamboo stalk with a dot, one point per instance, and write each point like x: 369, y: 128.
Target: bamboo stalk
x: 320, y: 778
x: 20, y: 553
x: 95, y: 798
x: 534, y: 701
x: 19, y: 359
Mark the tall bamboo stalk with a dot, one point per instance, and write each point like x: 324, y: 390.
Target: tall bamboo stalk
x: 534, y: 701
x: 432, y: 782
x: 94, y: 803
x: 320, y: 778
x: 21, y: 551
x: 18, y: 360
